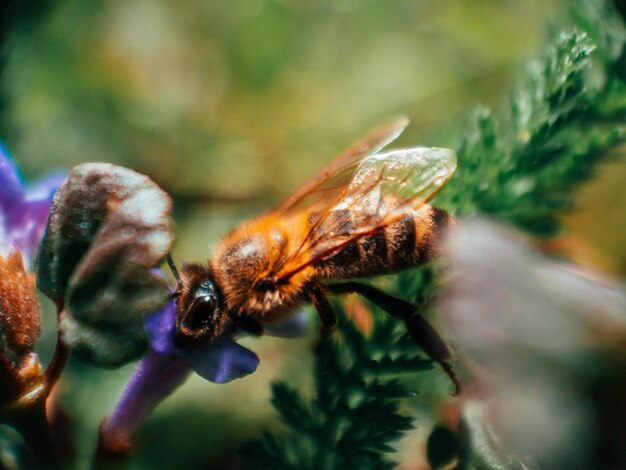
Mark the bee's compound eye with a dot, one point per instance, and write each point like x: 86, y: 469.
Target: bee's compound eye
x: 200, y: 314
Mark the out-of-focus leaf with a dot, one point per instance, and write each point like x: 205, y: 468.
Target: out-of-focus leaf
x: 108, y: 228
x: 508, y: 300
x: 540, y: 335
x: 19, y: 308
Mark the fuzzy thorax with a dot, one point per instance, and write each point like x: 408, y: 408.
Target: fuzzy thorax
x: 245, y: 267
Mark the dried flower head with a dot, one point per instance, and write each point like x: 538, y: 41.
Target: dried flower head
x: 109, y: 227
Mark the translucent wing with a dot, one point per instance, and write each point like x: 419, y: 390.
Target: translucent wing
x: 382, y: 189
x: 328, y: 184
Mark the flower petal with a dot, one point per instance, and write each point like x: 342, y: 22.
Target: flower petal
x: 23, y: 213
x: 159, y: 328
x: 221, y: 361
x: 6, y: 245
x: 155, y: 378
x: 44, y: 189
x: 35, y: 211
x: 10, y: 181
x: 11, y: 198
x: 26, y: 229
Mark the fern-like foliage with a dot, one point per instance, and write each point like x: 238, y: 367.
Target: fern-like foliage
x: 520, y: 165
x: 353, y: 415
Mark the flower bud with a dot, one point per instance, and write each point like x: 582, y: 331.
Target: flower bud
x: 19, y: 309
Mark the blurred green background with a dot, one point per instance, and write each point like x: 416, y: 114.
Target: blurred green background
x: 229, y: 106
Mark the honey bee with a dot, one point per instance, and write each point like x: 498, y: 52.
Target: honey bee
x: 365, y: 214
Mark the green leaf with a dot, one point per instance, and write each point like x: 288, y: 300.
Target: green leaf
x: 521, y: 165
x: 291, y: 407
x: 353, y: 418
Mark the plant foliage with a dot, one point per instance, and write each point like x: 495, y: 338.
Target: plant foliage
x: 520, y: 165
x: 354, y: 413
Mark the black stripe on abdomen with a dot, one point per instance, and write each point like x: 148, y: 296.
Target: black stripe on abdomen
x: 374, y: 253
x: 401, y: 244
x: 411, y: 241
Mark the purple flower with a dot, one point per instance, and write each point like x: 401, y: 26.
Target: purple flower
x: 220, y: 361
x: 24, y: 211
x: 166, y: 366
x: 24, y: 208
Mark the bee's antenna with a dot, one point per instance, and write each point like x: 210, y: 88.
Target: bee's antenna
x: 170, y: 262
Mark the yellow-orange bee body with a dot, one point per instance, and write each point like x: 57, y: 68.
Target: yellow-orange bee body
x: 244, y: 262
x: 365, y: 214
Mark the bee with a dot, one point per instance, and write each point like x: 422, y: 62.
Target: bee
x: 365, y: 214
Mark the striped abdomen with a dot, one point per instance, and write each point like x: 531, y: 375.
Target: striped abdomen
x: 410, y: 241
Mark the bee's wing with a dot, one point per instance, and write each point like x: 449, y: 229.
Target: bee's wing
x: 331, y: 180
x: 383, y: 188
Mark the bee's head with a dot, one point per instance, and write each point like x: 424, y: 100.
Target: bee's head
x: 199, y: 313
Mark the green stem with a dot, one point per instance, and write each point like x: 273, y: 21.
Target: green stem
x: 60, y: 357
x: 56, y: 366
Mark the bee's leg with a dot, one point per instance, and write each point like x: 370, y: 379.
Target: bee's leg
x: 248, y: 325
x: 420, y: 330
x: 324, y: 310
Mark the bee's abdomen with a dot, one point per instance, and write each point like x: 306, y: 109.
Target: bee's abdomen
x: 410, y: 241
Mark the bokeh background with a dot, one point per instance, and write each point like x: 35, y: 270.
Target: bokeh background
x: 229, y: 106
